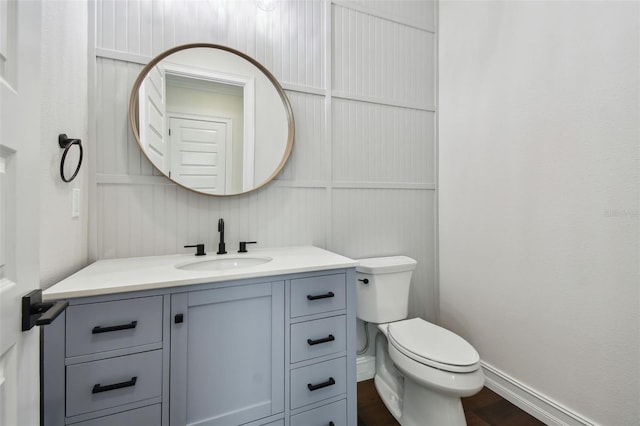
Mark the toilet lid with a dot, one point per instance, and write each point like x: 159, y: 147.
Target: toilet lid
x: 386, y: 265
x: 432, y: 345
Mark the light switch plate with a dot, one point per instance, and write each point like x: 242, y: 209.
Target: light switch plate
x: 75, y: 203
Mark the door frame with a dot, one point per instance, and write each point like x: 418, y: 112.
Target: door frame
x: 249, y: 106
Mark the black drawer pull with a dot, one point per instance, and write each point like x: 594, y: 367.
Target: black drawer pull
x: 97, y: 329
x: 329, y: 338
x: 320, y: 296
x: 329, y: 382
x: 331, y: 424
x: 97, y: 388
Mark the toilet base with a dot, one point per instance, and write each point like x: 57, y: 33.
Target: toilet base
x: 425, y: 407
x: 391, y: 400
x: 413, y: 404
x: 420, y: 406
x: 387, y: 379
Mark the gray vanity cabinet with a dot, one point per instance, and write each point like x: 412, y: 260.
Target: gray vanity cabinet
x: 227, y: 354
x: 270, y: 351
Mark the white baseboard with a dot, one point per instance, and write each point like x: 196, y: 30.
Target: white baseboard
x: 539, y: 406
x: 365, y: 367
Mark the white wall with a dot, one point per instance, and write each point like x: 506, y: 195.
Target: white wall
x: 539, y: 209
x: 63, y: 240
x: 360, y: 180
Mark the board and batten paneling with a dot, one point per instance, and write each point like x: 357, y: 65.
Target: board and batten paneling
x: 399, y: 148
x: 289, y: 40
x: 382, y: 222
x: 377, y: 59
x: 309, y: 160
x: 419, y: 14
x: 361, y: 178
x: 156, y: 219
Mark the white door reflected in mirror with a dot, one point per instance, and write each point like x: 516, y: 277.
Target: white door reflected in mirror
x: 211, y: 119
x: 198, y: 154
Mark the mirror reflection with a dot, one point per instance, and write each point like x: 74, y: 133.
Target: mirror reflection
x: 211, y: 119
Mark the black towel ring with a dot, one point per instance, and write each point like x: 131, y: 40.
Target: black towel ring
x: 66, y: 143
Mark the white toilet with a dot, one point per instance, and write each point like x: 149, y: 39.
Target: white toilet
x: 422, y: 370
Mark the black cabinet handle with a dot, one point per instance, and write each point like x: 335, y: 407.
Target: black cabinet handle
x: 98, y: 329
x: 97, y: 388
x: 320, y: 296
x: 331, y: 424
x: 329, y: 338
x: 329, y: 382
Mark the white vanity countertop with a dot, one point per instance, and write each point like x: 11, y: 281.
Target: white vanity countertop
x: 155, y: 272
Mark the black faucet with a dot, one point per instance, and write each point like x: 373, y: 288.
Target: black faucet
x: 199, y: 249
x: 221, y: 248
x: 243, y: 246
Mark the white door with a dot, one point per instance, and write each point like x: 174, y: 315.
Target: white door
x: 200, y: 154
x: 151, y: 112
x: 20, y: 39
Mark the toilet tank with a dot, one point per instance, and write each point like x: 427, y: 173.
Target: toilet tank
x: 382, y: 289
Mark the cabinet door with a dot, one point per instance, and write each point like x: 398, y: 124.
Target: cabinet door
x: 227, y: 355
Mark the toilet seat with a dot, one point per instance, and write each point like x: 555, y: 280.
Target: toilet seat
x: 433, y: 346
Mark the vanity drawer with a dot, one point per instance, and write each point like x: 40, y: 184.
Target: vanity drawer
x: 145, y: 416
x: 316, y: 295
x: 110, y: 382
x: 106, y: 326
x: 335, y: 413
x: 313, y: 339
x: 318, y: 381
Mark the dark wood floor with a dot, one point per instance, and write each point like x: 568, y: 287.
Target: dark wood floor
x: 483, y: 409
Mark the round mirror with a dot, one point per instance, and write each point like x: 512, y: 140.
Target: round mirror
x: 211, y: 119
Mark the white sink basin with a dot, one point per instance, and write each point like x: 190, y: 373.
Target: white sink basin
x: 224, y: 263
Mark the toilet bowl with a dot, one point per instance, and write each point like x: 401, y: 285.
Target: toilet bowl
x: 422, y: 370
